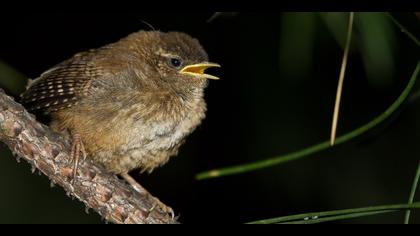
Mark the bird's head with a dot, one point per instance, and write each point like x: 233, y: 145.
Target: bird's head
x: 178, y: 58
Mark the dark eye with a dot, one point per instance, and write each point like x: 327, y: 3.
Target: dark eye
x: 175, y: 62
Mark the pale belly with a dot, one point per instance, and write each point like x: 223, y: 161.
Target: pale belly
x: 132, y: 138
x: 146, y: 146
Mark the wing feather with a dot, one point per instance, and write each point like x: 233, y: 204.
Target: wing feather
x: 62, y: 86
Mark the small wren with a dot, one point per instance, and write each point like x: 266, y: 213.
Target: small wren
x: 128, y: 105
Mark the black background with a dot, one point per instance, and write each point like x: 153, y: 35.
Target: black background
x: 256, y: 111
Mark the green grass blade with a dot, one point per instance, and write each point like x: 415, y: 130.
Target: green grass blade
x: 412, y: 194
x: 343, y: 214
x: 340, y: 217
x: 316, y: 148
x: 403, y: 29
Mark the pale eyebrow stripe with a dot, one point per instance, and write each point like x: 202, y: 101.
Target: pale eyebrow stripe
x: 165, y: 54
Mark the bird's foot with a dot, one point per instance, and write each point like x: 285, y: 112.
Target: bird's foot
x: 77, y: 151
x: 143, y: 191
x: 157, y: 203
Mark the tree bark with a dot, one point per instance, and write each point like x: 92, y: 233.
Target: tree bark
x: 113, y: 199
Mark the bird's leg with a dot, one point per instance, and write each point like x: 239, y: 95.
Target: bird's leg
x: 143, y: 191
x: 77, y: 149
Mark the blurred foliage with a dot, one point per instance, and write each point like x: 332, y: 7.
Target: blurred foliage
x: 374, y: 37
x: 306, y: 152
x: 296, y: 58
x: 377, y: 48
x: 11, y: 80
x: 276, y: 96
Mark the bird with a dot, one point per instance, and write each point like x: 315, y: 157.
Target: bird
x: 128, y: 105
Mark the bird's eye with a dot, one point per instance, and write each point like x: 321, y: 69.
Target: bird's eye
x: 175, y: 62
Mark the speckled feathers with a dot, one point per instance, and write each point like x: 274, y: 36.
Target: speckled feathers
x: 60, y: 87
x: 132, y: 108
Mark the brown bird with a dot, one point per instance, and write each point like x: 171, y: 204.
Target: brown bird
x: 128, y: 105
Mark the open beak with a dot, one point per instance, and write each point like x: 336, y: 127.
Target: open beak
x: 198, y: 70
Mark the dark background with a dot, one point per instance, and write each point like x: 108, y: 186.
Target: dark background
x: 276, y: 95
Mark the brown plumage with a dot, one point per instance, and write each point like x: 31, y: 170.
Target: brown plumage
x: 132, y: 103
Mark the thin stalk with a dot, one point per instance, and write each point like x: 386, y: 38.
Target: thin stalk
x: 341, y: 80
x: 412, y: 194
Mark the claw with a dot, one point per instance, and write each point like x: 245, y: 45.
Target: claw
x: 163, y: 207
x: 141, y: 190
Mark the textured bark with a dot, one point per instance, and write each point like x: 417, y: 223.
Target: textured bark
x: 48, y: 152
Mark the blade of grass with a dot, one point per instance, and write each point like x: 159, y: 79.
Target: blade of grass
x: 412, y: 194
x: 415, y: 95
x: 348, y: 212
x: 214, y: 16
x: 316, y: 148
x: 340, y: 217
x: 341, y: 80
x: 253, y: 166
x: 217, y: 15
x: 403, y: 29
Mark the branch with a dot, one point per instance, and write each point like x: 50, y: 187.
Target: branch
x: 48, y: 152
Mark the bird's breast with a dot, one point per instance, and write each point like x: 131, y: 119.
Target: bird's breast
x: 165, y: 133
x: 140, y: 136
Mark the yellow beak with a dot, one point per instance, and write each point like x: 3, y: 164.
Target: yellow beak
x: 198, y: 70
